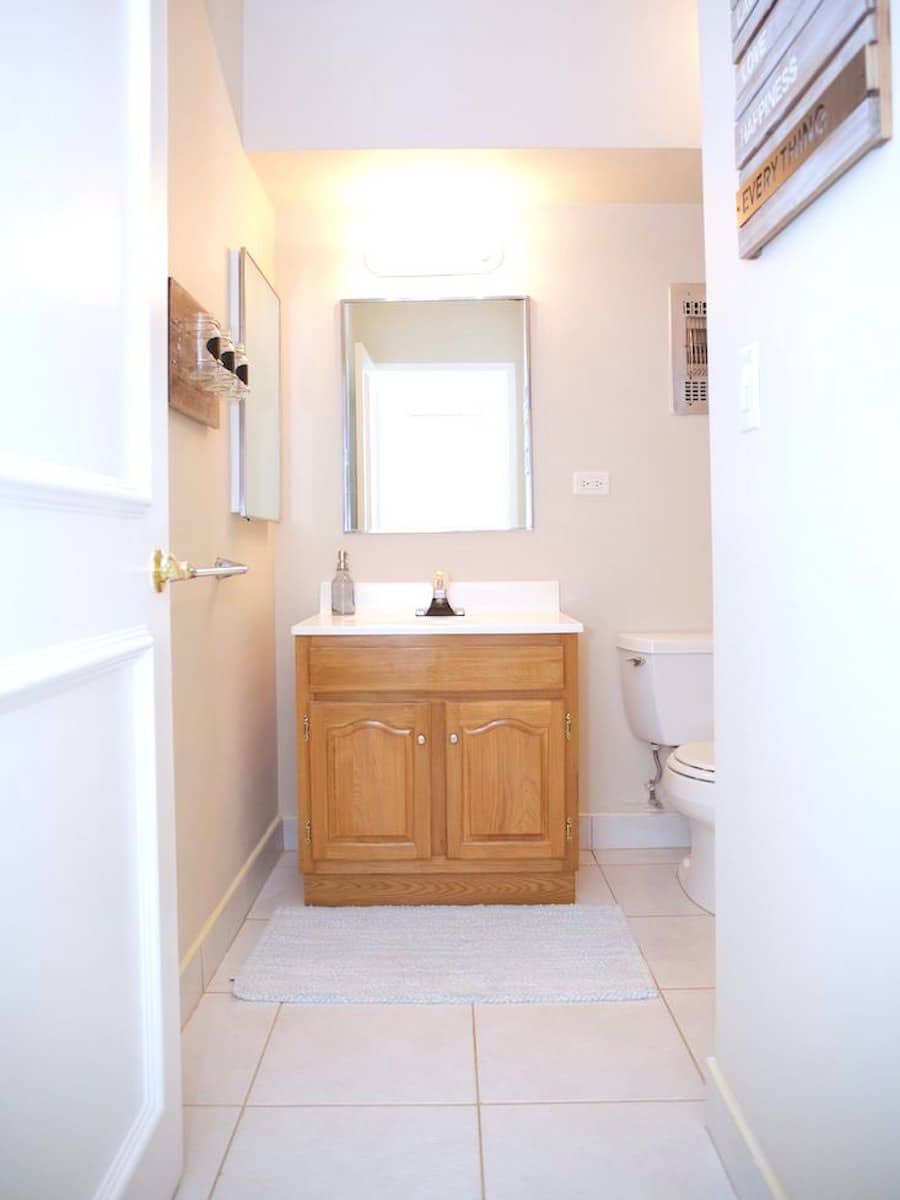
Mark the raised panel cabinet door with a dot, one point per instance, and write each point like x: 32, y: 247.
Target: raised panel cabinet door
x: 506, y: 790
x: 370, y: 781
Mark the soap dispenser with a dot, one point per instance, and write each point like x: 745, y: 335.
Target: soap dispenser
x: 343, y: 599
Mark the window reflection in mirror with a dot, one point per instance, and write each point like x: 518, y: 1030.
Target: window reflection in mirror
x: 438, y: 422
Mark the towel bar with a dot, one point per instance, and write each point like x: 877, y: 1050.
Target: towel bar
x: 168, y: 569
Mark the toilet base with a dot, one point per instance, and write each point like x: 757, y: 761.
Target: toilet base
x: 697, y: 872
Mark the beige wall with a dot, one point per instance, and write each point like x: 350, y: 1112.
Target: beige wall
x: 807, y: 592
x: 222, y: 633
x: 598, y: 277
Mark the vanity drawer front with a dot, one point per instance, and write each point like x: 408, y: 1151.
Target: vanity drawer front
x: 455, y: 664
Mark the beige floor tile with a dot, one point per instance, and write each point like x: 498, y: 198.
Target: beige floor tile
x: 649, y: 890
x: 591, y: 888
x: 221, y: 1047
x: 695, y: 1011
x: 586, y: 858
x: 353, y: 1154
x: 284, y: 886
x: 288, y: 858
x: 206, y: 1135
x: 680, y: 950
x: 600, y: 1152
x: 369, y: 1054
x: 576, y: 1052
x: 248, y: 935
x: 653, y: 854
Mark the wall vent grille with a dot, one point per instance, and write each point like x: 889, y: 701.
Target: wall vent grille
x: 688, y: 348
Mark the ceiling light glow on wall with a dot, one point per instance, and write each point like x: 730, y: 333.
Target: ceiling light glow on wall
x: 412, y: 249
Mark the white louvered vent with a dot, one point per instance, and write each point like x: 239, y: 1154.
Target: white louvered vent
x: 688, y: 348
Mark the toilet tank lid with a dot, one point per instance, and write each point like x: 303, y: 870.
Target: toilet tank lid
x: 666, y: 643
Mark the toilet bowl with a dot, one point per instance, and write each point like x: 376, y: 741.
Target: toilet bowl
x: 688, y: 785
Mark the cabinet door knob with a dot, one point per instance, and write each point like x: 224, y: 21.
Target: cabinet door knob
x: 454, y: 738
x: 421, y: 739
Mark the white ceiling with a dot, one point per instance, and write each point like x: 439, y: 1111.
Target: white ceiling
x: 357, y: 74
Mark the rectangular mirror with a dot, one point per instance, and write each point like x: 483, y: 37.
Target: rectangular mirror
x: 437, y: 432
x: 256, y: 420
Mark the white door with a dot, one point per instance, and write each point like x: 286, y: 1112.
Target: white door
x: 88, y: 1003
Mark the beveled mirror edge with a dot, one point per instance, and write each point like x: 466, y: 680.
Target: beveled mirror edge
x: 527, y: 425
x: 243, y: 256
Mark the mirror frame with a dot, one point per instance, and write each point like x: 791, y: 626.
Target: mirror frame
x: 237, y: 450
x: 527, y: 430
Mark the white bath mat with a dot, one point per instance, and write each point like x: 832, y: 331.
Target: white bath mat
x: 435, y: 954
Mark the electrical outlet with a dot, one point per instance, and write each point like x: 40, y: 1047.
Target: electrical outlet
x: 590, y: 483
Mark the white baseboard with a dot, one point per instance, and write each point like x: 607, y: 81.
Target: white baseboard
x: 751, y: 1175
x: 202, y: 959
x: 633, y: 830
x: 289, y: 825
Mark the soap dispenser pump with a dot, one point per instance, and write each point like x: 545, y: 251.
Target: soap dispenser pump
x: 343, y: 598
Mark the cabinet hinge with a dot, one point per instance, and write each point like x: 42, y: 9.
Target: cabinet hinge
x: 306, y: 727
x: 569, y: 722
x: 307, y: 832
x: 570, y: 829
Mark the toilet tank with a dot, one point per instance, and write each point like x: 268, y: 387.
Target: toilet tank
x: 667, y: 684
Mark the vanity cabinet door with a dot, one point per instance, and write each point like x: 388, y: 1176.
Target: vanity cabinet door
x: 506, y: 795
x: 370, y: 777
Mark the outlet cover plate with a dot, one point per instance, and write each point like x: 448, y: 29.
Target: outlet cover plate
x: 590, y: 483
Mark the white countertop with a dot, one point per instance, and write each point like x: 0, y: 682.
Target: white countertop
x: 508, y: 606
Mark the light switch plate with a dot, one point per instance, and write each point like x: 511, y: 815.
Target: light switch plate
x: 749, y: 388
x: 590, y: 483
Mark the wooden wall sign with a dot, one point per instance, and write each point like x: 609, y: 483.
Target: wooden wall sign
x: 812, y: 96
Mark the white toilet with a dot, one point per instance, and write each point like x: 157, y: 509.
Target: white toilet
x: 667, y: 683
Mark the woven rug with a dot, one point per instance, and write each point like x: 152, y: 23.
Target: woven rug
x: 435, y: 954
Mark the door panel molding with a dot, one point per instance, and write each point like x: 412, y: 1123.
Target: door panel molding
x: 55, y: 485
x: 65, y: 664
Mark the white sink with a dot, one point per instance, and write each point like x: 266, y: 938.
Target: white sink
x: 501, y: 606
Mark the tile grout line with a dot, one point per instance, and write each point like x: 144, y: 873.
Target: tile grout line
x: 430, y: 1104
x: 650, y: 862
x: 478, y: 1106
x: 240, y: 1118
x: 659, y: 987
x: 662, y: 996
x: 609, y: 885
x: 701, y: 912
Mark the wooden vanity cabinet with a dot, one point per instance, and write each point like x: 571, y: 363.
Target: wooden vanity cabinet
x: 437, y: 769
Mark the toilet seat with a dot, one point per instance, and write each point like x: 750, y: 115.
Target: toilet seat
x: 696, y: 760
x: 689, y: 781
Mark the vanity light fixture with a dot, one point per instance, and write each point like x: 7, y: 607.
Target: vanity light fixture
x: 432, y: 242
x: 410, y: 262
